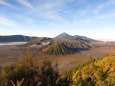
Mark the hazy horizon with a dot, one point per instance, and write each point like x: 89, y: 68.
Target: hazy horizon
x: 48, y: 18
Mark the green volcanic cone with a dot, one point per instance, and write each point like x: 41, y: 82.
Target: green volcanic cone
x: 57, y: 49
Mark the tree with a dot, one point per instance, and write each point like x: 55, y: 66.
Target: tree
x: 49, y: 73
x: 27, y: 72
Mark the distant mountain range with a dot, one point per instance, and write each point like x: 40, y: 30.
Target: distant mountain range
x: 16, y: 38
x: 22, y: 38
x: 65, y: 35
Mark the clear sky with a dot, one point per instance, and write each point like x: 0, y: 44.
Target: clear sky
x: 91, y: 18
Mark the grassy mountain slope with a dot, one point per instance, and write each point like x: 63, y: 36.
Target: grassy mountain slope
x: 100, y: 72
x: 57, y: 49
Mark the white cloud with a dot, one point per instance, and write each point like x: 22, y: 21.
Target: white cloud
x: 93, y: 19
x: 99, y: 17
x: 25, y: 3
x: 27, y: 19
x: 53, y: 15
x: 3, y: 2
x: 105, y: 16
x: 100, y: 7
x: 50, y: 9
x: 7, y: 22
x: 30, y: 21
x: 113, y: 1
x: 54, y: 9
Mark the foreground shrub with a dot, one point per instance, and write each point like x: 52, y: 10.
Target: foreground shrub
x: 95, y: 72
x: 99, y: 72
x: 49, y: 74
x: 19, y: 83
x: 28, y: 70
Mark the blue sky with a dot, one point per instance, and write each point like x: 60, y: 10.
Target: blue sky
x: 91, y: 18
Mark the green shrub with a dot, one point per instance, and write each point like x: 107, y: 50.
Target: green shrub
x: 27, y: 68
x: 95, y: 72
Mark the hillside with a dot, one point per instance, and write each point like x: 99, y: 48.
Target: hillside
x: 103, y: 44
x: 38, y: 41
x: 57, y: 49
x: 75, y: 43
x: 16, y: 38
x: 85, y: 38
x: 99, y: 72
x: 66, y: 35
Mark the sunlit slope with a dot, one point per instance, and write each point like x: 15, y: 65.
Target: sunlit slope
x: 37, y: 40
x: 99, y: 72
x: 74, y: 43
x: 70, y: 42
x: 57, y: 49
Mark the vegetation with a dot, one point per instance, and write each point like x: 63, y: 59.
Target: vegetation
x: 100, y: 72
x: 27, y: 73
x: 19, y: 83
x: 57, y: 49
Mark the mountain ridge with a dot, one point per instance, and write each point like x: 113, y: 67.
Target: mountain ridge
x: 66, y: 35
x: 16, y: 38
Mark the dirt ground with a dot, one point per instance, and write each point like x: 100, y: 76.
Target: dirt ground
x: 9, y: 54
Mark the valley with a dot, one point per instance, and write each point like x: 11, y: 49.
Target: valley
x: 63, y: 56
x: 10, y: 54
x: 57, y: 43
x: 60, y: 59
